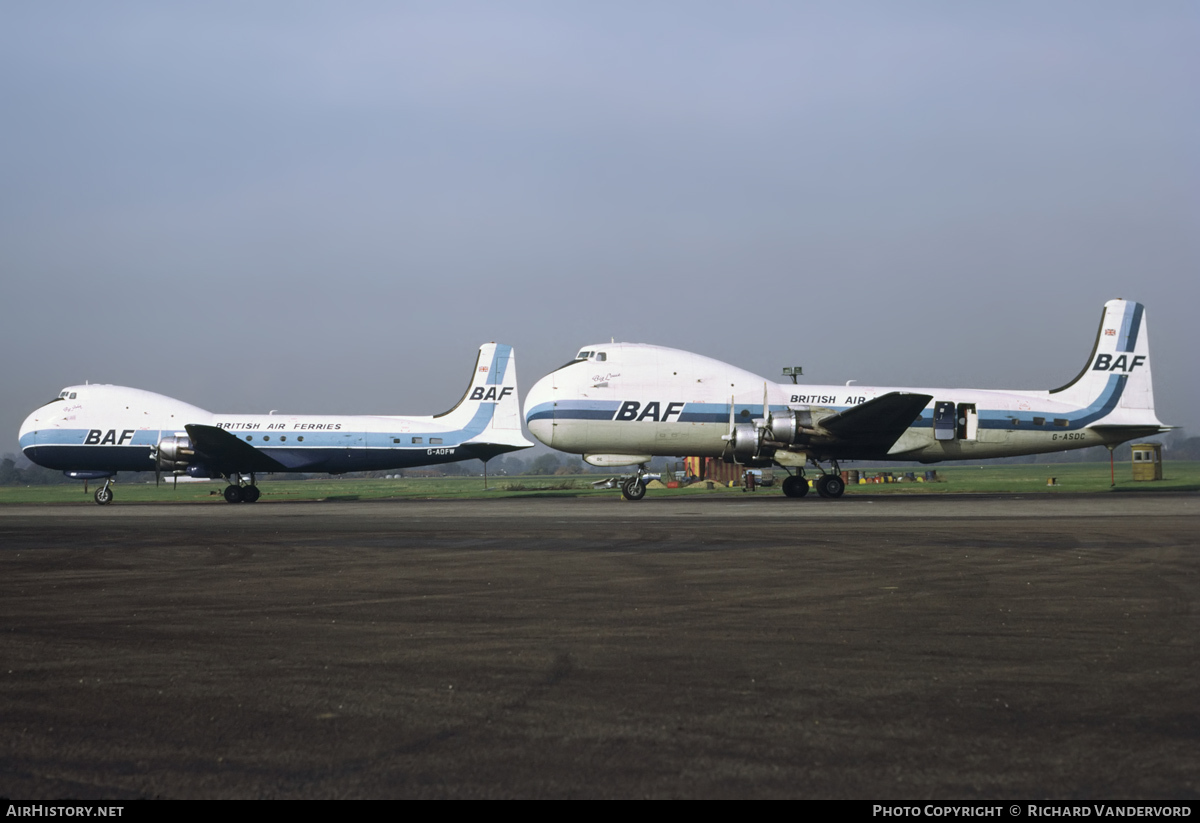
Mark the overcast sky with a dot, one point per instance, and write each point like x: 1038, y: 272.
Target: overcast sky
x: 327, y: 207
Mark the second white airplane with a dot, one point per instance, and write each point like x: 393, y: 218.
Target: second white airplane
x: 623, y: 403
x: 94, y: 431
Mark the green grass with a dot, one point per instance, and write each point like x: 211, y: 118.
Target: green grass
x: 953, y: 479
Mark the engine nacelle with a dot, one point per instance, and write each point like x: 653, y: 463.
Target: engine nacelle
x: 745, y: 442
x: 174, y: 454
x: 790, y: 427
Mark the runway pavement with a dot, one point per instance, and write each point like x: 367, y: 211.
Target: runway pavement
x: 746, y: 646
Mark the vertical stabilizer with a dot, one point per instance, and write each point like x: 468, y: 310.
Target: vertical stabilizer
x: 490, y: 405
x: 1116, y: 377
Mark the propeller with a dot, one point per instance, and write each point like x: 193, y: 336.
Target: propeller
x: 157, y: 466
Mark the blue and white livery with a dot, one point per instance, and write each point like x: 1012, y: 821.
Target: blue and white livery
x: 622, y: 403
x: 94, y: 431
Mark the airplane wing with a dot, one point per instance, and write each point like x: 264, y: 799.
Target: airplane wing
x: 878, y: 422
x: 227, y: 452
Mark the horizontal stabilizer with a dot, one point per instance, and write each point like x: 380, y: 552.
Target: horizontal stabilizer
x: 226, y: 452
x: 880, y: 421
x: 1119, y: 434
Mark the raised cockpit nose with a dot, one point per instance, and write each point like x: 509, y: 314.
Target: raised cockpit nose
x: 39, y: 419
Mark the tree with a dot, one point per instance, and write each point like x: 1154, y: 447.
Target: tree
x: 545, y: 464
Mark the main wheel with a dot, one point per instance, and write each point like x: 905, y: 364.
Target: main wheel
x: 250, y: 494
x: 831, y: 485
x: 103, y: 495
x: 795, y: 486
x: 633, y: 489
x: 233, y: 494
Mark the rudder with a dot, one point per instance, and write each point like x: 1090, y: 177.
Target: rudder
x: 1122, y: 350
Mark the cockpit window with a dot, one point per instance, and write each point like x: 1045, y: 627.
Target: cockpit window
x: 601, y: 356
x: 584, y: 355
x: 72, y: 395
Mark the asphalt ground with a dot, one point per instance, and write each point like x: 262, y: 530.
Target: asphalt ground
x: 751, y: 646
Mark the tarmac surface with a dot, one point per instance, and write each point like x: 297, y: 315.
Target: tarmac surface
x: 876, y: 647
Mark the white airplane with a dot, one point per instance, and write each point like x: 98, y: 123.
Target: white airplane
x: 622, y: 403
x: 94, y: 431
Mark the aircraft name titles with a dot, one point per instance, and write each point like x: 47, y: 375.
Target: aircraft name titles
x: 280, y: 426
x: 825, y: 400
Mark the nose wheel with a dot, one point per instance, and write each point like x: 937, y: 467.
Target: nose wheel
x: 633, y: 488
x: 103, y: 494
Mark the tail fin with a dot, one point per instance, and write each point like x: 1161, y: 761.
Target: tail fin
x: 490, y: 408
x: 1116, y: 379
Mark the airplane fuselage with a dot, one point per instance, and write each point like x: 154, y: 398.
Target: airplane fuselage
x: 118, y: 428
x: 622, y: 403
x: 98, y: 430
x: 679, y: 416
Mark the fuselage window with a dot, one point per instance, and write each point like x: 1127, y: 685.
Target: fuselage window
x: 283, y: 439
x: 266, y: 438
x: 300, y: 438
x: 1039, y: 421
x: 395, y: 439
x: 248, y: 438
x: 436, y: 441
x: 418, y: 440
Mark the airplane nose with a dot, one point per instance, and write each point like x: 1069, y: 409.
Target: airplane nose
x: 27, y: 436
x: 539, y: 410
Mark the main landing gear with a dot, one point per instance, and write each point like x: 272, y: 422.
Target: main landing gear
x: 828, y: 484
x: 795, y: 485
x: 240, y: 492
x: 831, y: 485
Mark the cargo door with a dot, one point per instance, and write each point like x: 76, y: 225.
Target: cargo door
x: 968, y: 421
x: 944, y: 418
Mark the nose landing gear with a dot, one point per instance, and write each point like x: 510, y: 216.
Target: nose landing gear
x: 104, y: 494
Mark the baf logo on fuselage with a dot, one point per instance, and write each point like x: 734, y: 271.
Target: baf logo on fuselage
x: 99, y: 437
x: 632, y: 410
x: 1124, y: 363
